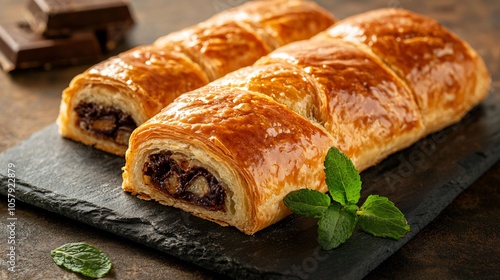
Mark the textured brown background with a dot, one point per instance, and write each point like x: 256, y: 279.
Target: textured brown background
x: 463, y: 242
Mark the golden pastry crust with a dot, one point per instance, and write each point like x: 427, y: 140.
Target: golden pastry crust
x: 258, y: 149
x: 365, y: 97
x: 241, y: 35
x: 137, y: 84
x: 219, y: 48
x: 285, y: 83
x: 447, y: 76
x: 281, y: 21
x: 366, y: 107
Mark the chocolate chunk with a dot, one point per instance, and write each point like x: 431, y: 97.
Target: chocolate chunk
x: 21, y: 48
x: 64, y: 17
x: 110, y: 37
x: 105, y: 121
x: 168, y: 173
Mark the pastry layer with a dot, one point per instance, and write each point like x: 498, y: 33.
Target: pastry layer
x: 147, y: 78
x: 446, y: 75
x: 256, y: 149
x: 263, y: 131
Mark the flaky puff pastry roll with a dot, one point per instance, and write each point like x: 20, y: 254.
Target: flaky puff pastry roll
x: 227, y: 155
x: 362, y: 103
x: 253, y: 30
x: 104, y: 104
x: 445, y: 74
x: 349, y: 95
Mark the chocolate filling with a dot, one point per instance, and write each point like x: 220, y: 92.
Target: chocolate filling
x: 171, y: 174
x: 105, y: 121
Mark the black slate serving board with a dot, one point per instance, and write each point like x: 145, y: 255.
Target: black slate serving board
x: 84, y: 184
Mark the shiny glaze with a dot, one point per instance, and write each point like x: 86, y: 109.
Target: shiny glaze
x: 367, y: 105
x: 281, y: 21
x: 438, y: 66
x: 367, y: 111
x: 238, y: 37
x: 285, y: 83
x: 270, y: 145
x: 154, y: 76
x: 218, y: 48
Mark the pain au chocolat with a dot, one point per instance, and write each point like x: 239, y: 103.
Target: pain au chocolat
x: 103, y: 105
x: 370, y: 85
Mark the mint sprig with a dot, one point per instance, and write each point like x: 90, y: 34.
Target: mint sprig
x: 337, y: 220
x: 82, y: 258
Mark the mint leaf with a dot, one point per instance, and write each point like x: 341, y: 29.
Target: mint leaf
x: 82, y: 258
x: 353, y: 208
x: 337, y: 221
x: 335, y: 226
x: 342, y: 178
x: 381, y: 217
x: 310, y: 203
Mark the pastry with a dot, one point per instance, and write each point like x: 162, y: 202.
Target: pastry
x: 230, y: 151
x: 362, y: 103
x: 226, y: 155
x: 103, y: 105
x: 446, y: 75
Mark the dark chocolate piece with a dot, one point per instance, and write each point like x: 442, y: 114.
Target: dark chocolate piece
x: 63, y: 17
x: 107, y: 122
x: 174, y: 176
x: 21, y: 48
x: 110, y: 37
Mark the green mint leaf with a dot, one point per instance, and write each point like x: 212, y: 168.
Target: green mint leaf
x: 82, y: 258
x: 342, y: 178
x: 353, y: 208
x: 380, y: 217
x: 335, y: 226
x: 310, y: 203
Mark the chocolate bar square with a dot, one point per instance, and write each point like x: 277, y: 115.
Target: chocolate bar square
x: 22, y: 48
x: 63, y: 17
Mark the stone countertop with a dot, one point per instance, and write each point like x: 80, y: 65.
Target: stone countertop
x: 453, y: 246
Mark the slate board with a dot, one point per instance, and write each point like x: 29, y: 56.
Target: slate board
x: 84, y: 184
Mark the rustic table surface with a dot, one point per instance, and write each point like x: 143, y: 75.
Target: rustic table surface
x: 451, y: 247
